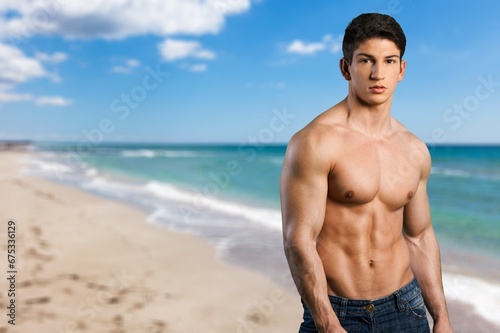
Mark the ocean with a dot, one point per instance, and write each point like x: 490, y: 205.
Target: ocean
x: 228, y: 195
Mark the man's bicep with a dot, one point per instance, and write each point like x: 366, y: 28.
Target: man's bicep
x: 417, y: 216
x: 304, y: 187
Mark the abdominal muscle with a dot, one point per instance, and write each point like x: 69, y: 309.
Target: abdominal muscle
x: 363, y: 251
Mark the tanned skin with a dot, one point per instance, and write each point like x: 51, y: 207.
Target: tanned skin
x: 356, y: 217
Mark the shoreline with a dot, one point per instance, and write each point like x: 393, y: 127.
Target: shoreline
x: 460, y: 312
x: 88, y: 263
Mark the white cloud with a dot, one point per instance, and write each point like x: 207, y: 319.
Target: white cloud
x: 174, y: 49
x: 119, y: 69
x: 16, y: 67
x: 21, y: 20
x: 54, y: 58
x: 53, y: 100
x: 300, y: 47
x: 116, y: 19
x: 133, y: 63
x: 127, y: 67
x: 198, y: 68
x: 8, y: 97
x: 304, y: 48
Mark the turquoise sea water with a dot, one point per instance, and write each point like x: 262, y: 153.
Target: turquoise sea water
x: 464, y: 191
x: 229, y: 196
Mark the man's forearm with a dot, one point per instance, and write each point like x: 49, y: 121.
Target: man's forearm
x: 426, y: 266
x: 309, y: 277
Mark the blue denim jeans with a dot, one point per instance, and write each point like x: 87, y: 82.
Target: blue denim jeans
x: 401, y: 312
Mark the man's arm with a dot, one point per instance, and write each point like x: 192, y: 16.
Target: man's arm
x: 304, y: 187
x: 424, y: 251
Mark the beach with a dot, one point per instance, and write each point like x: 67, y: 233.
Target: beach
x: 91, y: 263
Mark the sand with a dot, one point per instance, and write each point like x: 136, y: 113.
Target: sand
x: 88, y: 264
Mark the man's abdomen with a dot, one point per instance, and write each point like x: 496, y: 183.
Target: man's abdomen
x: 364, y: 258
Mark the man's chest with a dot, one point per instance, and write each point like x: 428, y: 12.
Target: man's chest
x: 389, y: 173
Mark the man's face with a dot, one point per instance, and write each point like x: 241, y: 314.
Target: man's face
x: 375, y: 71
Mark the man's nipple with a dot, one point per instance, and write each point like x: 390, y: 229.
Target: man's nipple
x: 409, y: 195
x: 349, y: 194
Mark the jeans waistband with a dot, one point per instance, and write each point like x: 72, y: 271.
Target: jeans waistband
x: 398, y: 298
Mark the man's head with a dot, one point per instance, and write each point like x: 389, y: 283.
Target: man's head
x: 368, y: 26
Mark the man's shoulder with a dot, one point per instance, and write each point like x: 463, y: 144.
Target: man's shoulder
x: 315, y: 143
x: 318, y: 135
x: 322, y: 130
x: 409, y: 137
x: 418, y: 151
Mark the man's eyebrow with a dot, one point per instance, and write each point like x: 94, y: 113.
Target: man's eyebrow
x: 370, y: 56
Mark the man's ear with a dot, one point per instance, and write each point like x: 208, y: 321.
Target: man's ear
x: 402, y: 70
x: 344, y: 69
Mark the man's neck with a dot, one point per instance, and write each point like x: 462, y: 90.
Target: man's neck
x: 372, y: 120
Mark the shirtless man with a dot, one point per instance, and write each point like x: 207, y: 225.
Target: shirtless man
x: 356, y: 220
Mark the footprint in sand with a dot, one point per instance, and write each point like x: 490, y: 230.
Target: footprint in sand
x: 38, y: 268
x: 19, y: 182
x: 114, y: 300
x: 157, y: 326
x: 32, y: 252
x: 256, y: 317
x: 37, y: 231
x: 81, y: 326
x: 96, y: 286
x: 67, y: 291
x: 38, y: 300
x: 136, y: 306
x: 33, y: 282
x: 118, y: 321
x: 45, y: 195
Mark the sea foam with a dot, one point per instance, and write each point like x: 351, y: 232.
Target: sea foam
x: 483, y: 296
x: 150, y: 153
x: 196, y: 202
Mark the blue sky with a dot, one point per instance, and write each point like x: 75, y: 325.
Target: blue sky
x: 233, y: 70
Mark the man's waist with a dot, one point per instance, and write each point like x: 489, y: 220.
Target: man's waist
x: 406, y: 291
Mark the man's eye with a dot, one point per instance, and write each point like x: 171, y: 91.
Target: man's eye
x: 366, y: 60
x: 391, y: 61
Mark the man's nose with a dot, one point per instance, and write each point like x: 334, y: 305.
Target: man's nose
x: 377, y: 74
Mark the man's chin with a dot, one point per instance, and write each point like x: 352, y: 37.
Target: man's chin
x: 377, y: 100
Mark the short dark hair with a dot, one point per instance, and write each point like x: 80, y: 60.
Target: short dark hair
x: 372, y: 25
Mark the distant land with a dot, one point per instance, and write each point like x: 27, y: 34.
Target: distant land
x: 15, y: 144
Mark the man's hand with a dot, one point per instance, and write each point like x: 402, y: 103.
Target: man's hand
x: 442, y: 326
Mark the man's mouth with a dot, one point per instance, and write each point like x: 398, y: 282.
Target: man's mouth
x: 378, y: 89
